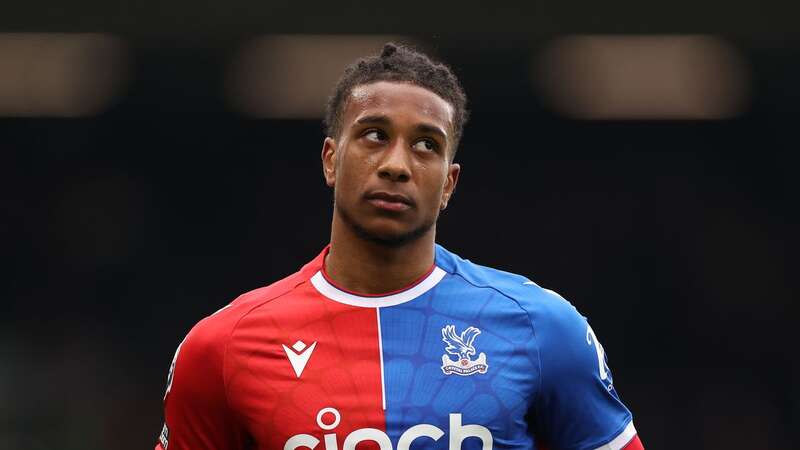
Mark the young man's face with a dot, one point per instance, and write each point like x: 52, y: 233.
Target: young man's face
x: 390, y: 168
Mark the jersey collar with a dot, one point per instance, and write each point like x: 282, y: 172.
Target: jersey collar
x: 325, y: 286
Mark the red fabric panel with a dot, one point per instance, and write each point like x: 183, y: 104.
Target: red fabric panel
x: 634, y: 444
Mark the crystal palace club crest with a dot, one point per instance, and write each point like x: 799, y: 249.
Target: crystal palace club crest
x: 461, y: 346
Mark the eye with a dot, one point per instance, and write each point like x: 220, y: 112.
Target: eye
x: 375, y: 135
x: 426, y: 145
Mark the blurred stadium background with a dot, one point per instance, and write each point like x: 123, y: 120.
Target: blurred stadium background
x: 158, y: 160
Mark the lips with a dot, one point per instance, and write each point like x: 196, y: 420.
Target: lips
x: 389, y: 201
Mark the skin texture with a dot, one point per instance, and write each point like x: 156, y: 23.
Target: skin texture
x: 396, y: 139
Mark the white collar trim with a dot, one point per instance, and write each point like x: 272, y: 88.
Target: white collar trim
x: 332, y: 292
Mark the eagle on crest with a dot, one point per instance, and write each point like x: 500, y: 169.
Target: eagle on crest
x: 460, y: 345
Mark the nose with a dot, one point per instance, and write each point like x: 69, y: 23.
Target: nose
x: 396, y: 163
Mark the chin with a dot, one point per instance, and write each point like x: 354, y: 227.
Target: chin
x: 386, y: 231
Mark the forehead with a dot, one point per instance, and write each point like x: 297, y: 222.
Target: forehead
x: 391, y: 98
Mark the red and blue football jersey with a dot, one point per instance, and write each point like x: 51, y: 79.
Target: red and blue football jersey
x: 467, y: 357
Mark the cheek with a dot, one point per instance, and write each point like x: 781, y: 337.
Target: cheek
x: 352, y: 172
x: 434, y: 184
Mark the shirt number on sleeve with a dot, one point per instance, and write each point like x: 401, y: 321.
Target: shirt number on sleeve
x: 591, y: 338
x: 171, y: 373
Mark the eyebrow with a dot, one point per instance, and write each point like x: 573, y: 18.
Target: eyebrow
x: 384, y: 120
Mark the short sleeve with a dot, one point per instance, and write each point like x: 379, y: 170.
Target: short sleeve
x: 577, y: 406
x: 196, y: 414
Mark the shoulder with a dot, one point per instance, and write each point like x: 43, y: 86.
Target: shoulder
x: 542, y: 305
x: 212, y: 332
x: 199, y: 358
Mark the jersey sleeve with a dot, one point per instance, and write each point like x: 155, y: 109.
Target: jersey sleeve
x: 196, y: 412
x: 577, y: 406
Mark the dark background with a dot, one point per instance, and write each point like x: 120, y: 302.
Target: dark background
x: 676, y: 238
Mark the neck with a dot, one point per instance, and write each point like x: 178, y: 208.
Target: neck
x: 362, y: 266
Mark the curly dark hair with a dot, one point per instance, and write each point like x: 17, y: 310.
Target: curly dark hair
x: 398, y: 62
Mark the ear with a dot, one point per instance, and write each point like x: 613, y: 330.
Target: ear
x: 453, y: 172
x: 329, y: 161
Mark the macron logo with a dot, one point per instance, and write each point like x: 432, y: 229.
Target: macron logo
x: 298, y: 355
